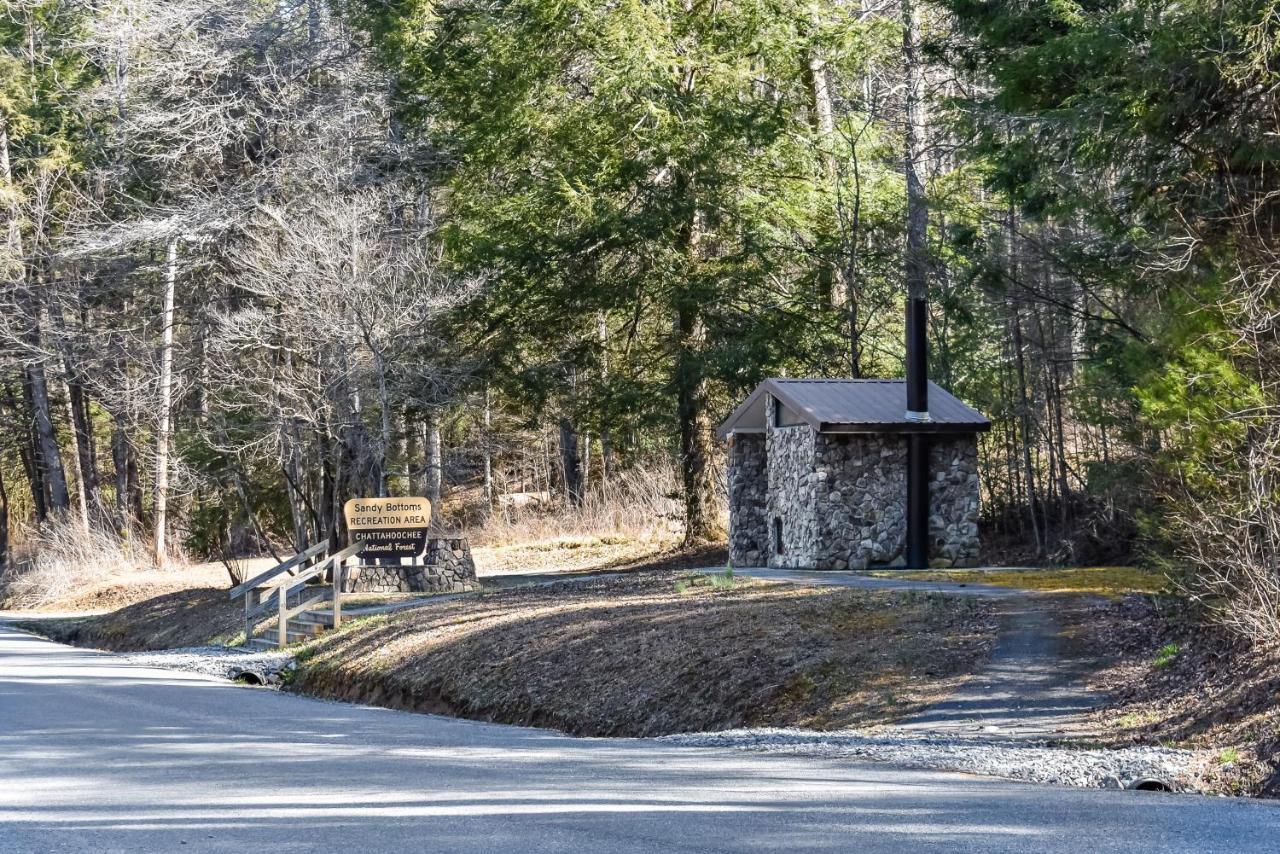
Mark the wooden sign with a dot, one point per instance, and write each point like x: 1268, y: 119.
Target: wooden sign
x: 389, y: 527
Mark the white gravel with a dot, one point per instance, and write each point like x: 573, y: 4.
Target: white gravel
x: 226, y: 662
x: 1035, y: 762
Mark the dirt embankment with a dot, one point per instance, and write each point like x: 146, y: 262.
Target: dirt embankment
x: 657, y: 653
x: 1175, y: 680
x: 185, y: 618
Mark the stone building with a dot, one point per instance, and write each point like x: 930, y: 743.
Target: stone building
x: 818, y: 475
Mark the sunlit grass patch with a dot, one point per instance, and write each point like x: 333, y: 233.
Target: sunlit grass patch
x: 714, y: 580
x: 1102, y: 580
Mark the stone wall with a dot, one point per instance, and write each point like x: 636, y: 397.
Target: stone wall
x: 861, y: 500
x: 748, y: 482
x: 953, y: 502
x: 446, y: 567
x: 793, y: 485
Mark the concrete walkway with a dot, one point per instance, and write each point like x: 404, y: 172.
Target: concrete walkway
x: 99, y: 756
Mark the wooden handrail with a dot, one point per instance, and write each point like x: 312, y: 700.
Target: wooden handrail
x: 304, y: 576
x: 245, y: 586
x: 353, y: 549
x: 278, y: 599
x: 272, y: 599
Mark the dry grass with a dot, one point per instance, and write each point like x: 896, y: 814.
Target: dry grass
x: 633, y: 517
x: 197, y: 617
x: 1175, y: 680
x: 58, y: 560
x: 636, y: 656
x: 63, y: 567
x: 638, y: 506
x: 1101, y: 580
x: 567, y: 554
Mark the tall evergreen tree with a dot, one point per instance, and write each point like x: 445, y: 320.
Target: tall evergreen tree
x: 655, y: 163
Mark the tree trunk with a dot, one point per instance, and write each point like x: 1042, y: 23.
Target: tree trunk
x: 78, y: 458
x: 852, y: 266
x: 202, y: 388
x: 27, y: 452
x: 548, y: 473
x: 570, y: 469
x: 487, y: 439
x: 823, y: 125
x: 160, y: 502
x: 384, y: 424
x: 696, y: 448
x: 13, y: 218
x: 120, y: 460
x: 606, y: 445
x: 435, y: 465
x: 697, y: 473
x: 4, y: 523
x: 294, y: 488
x: 85, y: 461
x: 1025, y: 417
x: 87, y: 448
x: 1064, y: 485
x: 49, y: 457
x: 332, y: 526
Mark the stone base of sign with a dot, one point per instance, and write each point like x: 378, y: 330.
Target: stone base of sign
x: 445, y: 567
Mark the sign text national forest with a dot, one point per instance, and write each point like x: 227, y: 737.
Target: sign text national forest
x: 389, y: 527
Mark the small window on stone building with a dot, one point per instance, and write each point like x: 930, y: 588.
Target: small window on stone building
x: 777, y: 535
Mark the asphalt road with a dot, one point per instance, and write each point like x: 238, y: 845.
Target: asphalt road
x: 97, y: 756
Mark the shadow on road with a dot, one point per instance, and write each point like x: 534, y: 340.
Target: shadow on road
x: 96, y: 755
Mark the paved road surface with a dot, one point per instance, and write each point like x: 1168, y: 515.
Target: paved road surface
x: 100, y: 756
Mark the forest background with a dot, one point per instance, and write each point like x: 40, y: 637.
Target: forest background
x: 520, y: 256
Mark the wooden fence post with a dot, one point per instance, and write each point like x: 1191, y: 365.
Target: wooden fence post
x: 250, y: 602
x: 283, y: 592
x: 339, y: 573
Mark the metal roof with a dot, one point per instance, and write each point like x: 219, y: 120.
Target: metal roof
x: 854, y: 406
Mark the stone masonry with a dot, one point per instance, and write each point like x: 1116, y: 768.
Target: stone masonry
x: 446, y: 567
x: 860, y: 499
x: 793, y: 498
x: 748, y: 482
x: 838, y: 500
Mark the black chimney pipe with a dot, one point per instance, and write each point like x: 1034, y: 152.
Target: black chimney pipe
x: 917, y: 360
x: 917, y: 556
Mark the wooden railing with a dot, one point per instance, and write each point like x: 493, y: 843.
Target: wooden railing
x: 270, y: 592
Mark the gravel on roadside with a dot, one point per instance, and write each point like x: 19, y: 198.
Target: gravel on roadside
x: 222, y: 661
x: 1035, y: 762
